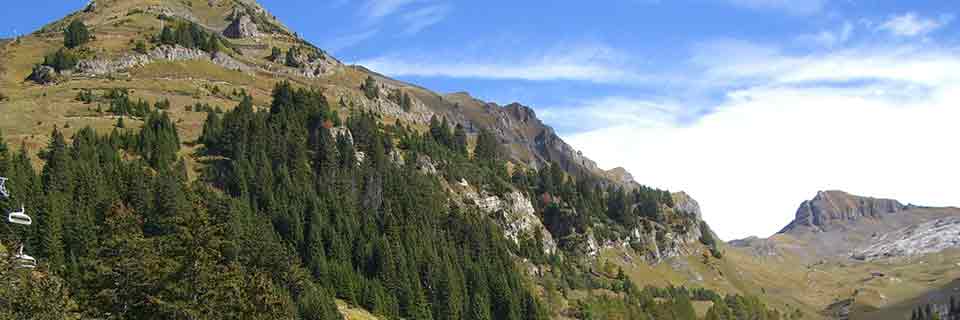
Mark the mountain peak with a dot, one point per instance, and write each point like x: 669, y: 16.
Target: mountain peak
x: 831, y: 208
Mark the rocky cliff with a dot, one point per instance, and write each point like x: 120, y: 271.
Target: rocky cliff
x: 829, y: 210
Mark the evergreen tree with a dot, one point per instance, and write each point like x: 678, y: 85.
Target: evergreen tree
x: 460, y: 139
x: 406, y: 103
x: 488, y: 146
x: 51, y: 230
x: 275, y: 54
x: 293, y: 60
x: 167, y: 36
x: 76, y: 34
x: 370, y: 88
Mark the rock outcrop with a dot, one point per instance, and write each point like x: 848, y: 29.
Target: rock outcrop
x: 97, y: 67
x: 929, y: 237
x: 43, y: 74
x: 831, y: 208
x: 514, y: 212
x: 683, y: 202
x: 242, y: 27
x: 758, y: 247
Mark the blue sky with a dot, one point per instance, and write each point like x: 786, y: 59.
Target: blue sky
x: 750, y: 105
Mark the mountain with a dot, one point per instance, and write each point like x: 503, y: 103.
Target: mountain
x: 831, y: 210
x: 835, y: 223
x: 198, y: 159
x: 860, y: 257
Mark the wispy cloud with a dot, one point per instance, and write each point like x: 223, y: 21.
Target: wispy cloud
x: 377, y: 9
x: 421, y: 18
x: 797, y: 7
x: 349, y: 40
x: 591, y: 63
x: 911, y: 25
x: 413, y: 15
x: 829, y: 38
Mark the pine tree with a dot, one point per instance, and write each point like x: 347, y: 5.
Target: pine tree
x: 167, y: 36
x: 275, y: 54
x: 76, y: 34
x: 316, y: 304
x: 57, y: 176
x: 460, y: 139
x: 292, y: 60
x: 488, y: 146
x: 370, y: 88
x: 406, y: 103
x: 51, y: 231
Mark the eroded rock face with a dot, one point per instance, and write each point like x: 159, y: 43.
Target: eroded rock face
x: 829, y: 208
x: 97, y: 67
x: 515, y: 213
x: 242, y: 27
x: 929, y: 237
x: 683, y: 202
x: 659, y: 243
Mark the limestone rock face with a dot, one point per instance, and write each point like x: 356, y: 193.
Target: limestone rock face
x: 830, y: 208
x: 241, y: 27
x: 96, y: 67
x: 661, y: 243
x: 929, y: 237
x: 514, y: 212
x: 684, y: 203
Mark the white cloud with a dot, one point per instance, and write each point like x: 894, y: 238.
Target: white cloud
x: 349, y: 40
x: 616, y: 111
x: 413, y: 15
x: 830, y: 38
x: 912, y: 25
x: 422, y: 18
x: 592, y: 63
x: 798, y: 7
x: 376, y: 9
x: 790, y: 132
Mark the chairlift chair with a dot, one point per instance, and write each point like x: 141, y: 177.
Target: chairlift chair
x: 25, y: 260
x: 20, y: 217
x: 3, y: 188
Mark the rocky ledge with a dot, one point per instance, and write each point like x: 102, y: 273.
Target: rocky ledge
x: 98, y: 67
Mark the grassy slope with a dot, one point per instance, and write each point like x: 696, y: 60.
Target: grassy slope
x: 353, y: 313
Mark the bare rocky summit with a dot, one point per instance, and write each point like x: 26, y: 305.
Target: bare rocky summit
x: 830, y: 209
